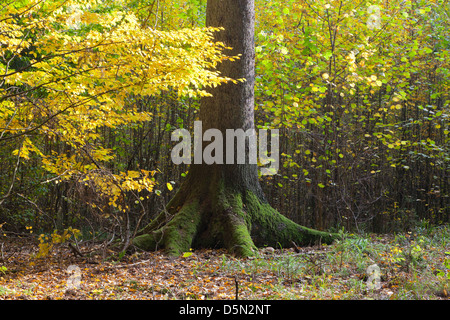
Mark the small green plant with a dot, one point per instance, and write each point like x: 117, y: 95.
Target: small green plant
x: 4, y: 291
x: 445, y: 275
x: 446, y: 272
x: 3, y: 269
x: 288, y: 267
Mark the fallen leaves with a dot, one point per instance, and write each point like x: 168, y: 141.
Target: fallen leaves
x: 326, y: 272
x: 155, y: 276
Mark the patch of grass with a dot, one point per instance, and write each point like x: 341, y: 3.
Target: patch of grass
x: 410, y: 267
x: 4, y: 291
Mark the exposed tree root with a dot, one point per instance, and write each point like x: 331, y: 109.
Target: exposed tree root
x: 222, y: 216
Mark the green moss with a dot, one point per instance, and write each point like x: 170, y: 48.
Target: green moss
x: 269, y: 227
x: 148, y: 241
x: 238, y: 224
x: 225, y: 217
x: 181, y: 230
x: 239, y: 240
x: 177, y: 235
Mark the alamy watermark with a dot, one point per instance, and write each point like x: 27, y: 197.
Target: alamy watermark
x: 74, y: 281
x: 74, y: 19
x: 250, y: 147
x: 374, y: 20
x: 374, y: 277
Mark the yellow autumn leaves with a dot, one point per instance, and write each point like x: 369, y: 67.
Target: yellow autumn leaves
x: 69, y: 68
x: 46, y: 242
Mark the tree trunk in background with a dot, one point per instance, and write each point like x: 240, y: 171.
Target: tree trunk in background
x: 222, y: 205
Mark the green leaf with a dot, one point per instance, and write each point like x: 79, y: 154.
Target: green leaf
x: 427, y: 50
x: 327, y: 55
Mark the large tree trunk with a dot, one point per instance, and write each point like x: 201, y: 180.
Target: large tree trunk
x: 222, y: 205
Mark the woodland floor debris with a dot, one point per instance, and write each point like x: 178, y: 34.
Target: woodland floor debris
x: 327, y: 272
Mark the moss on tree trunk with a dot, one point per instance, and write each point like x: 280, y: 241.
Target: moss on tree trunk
x: 211, y: 212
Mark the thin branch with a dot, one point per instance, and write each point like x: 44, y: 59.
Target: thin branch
x: 59, y: 112
x: 9, y: 122
x: 51, y: 56
x: 13, y: 178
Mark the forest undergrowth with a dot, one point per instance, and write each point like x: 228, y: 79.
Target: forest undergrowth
x: 405, y: 266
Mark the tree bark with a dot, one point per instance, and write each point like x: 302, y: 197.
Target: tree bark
x: 222, y: 205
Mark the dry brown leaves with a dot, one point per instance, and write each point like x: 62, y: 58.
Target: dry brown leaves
x: 140, y: 276
x: 303, y: 274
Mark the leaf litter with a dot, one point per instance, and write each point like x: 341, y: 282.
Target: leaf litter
x: 300, y: 273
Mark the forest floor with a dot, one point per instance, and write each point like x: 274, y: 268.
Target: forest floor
x: 411, y: 266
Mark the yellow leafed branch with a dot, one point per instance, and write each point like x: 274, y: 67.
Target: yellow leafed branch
x: 71, y: 67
